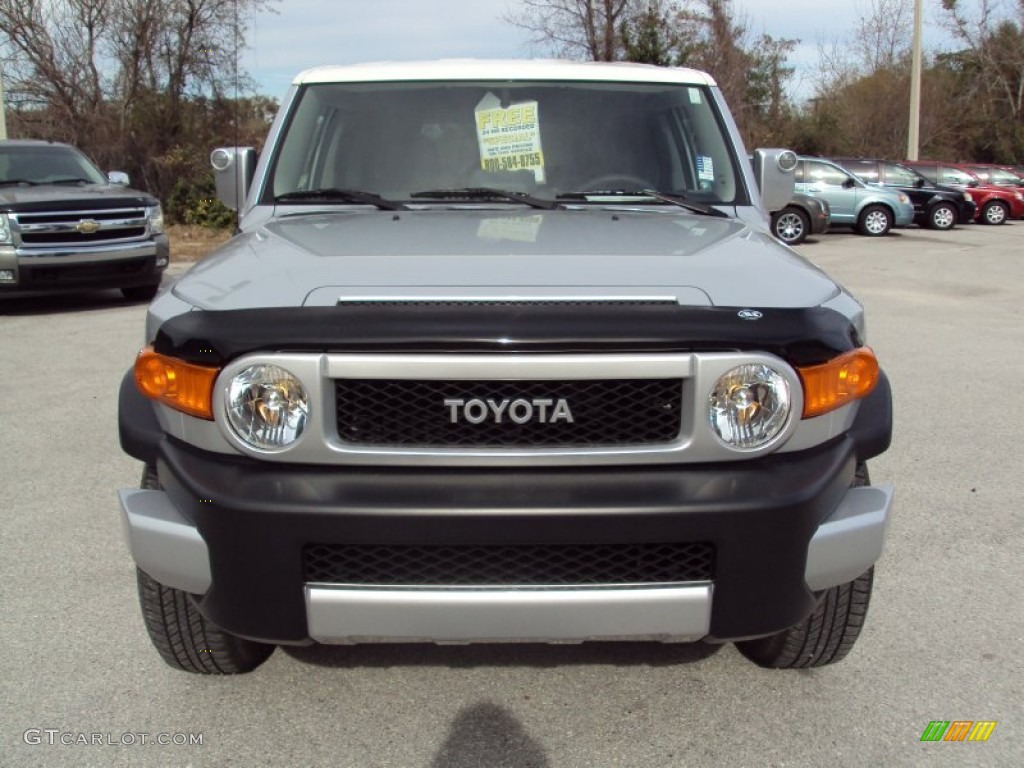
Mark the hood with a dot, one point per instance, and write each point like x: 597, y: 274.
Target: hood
x: 61, y: 197
x: 319, y: 259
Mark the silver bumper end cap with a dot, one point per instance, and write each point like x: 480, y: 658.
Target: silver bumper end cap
x: 342, y: 614
x: 851, y: 540
x: 163, y: 543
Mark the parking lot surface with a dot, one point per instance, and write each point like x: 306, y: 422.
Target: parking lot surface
x: 944, y: 638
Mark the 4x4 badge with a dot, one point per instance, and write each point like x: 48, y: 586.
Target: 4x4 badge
x: 750, y: 314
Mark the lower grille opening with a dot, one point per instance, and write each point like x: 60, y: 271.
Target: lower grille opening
x: 494, y: 565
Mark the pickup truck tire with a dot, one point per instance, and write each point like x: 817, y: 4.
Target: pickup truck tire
x: 995, y: 212
x: 791, y: 225
x: 140, y: 292
x: 829, y: 633
x: 942, y: 216
x: 182, y: 635
x: 875, y: 221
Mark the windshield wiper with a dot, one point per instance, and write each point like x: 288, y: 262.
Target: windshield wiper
x: 488, y: 193
x: 18, y: 182
x: 666, y: 197
x: 70, y: 180
x: 343, y: 195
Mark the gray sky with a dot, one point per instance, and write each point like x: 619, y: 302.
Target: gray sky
x: 306, y: 33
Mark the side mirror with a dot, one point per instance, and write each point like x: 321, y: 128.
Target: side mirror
x: 118, y: 177
x: 849, y: 183
x: 919, y: 183
x: 774, y: 170
x: 233, y: 169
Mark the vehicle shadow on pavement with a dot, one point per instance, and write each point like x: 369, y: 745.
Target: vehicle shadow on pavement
x: 55, y: 304
x: 622, y: 654
x: 486, y: 734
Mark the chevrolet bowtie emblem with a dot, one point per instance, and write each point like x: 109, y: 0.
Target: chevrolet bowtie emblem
x: 87, y: 226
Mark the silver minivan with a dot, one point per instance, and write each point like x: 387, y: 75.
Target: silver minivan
x: 870, y: 209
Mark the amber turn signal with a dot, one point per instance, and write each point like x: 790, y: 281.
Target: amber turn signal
x: 185, y: 387
x: 841, y: 380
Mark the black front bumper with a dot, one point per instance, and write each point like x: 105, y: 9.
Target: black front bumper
x: 256, y: 518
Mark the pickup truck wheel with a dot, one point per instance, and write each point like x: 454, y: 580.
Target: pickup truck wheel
x: 942, y: 216
x: 995, y: 212
x: 875, y: 221
x: 828, y: 634
x: 791, y: 225
x: 182, y: 635
x: 140, y: 292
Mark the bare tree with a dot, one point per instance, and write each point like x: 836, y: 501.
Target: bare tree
x: 586, y: 29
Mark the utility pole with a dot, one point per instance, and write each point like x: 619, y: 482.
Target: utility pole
x: 914, y: 128
x: 3, y: 107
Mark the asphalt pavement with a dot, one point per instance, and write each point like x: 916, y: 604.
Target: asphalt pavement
x: 80, y: 683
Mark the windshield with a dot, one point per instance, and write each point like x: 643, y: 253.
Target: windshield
x: 42, y: 164
x: 417, y: 141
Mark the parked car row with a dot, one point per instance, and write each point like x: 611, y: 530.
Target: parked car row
x: 875, y: 196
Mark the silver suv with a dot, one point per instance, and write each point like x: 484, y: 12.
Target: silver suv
x: 505, y: 351
x: 870, y: 209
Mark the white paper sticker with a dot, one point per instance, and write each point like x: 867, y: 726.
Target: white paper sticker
x: 695, y: 97
x: 509, y: 137
x: 705, y: 168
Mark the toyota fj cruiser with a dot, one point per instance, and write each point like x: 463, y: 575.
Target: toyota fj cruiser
x: 504, y: 351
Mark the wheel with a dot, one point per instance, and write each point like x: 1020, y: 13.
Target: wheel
x: 829, y: 633
x: 183, y: 636
x: 995, y: 212
x: 140, y: 292
x: 875, y: 221
x: 791, y: 225
x: 616, y: 182
x: 942, y: 216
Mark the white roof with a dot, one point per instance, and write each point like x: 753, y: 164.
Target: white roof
x: 502, y: 69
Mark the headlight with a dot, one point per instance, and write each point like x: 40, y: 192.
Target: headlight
x: 749, y: 406
x: 156, y: 218
x: 904, y: 199
x: 967, y: 196
x: 267, y: 406
x: 1018, y: 195
x: 5, y: 230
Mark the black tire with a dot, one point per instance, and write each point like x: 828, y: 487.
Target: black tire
x: 942, y: 216
x: 140, y: 292
x: 791, y: 225
x: 875, y: 221
x: 995, y: 212
x: 829, y: 633
x: 184, y: 638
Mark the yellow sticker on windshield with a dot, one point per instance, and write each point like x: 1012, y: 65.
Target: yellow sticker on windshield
x: 509, y: 137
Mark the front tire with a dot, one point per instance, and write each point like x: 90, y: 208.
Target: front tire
x: 824, y: 637
x: 942, y: 217
x: 995, y: 212
x: 185, y: 638
x: 875, y: 221
x: 791, y: 225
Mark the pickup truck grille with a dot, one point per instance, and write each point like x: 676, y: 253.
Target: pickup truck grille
x: 603, y: 412
x: 81, y: 227
x: 493, y: 565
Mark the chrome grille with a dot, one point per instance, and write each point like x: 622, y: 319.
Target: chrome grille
x: 414, y: 412
x: 80, y: 227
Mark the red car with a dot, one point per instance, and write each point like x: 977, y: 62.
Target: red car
x: 999, y: 175
x: 995, y: 204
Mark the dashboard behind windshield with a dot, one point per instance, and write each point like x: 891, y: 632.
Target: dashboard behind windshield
x: 541, y: 138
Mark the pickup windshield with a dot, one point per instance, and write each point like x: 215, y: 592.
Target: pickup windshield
x: 533, y: 141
